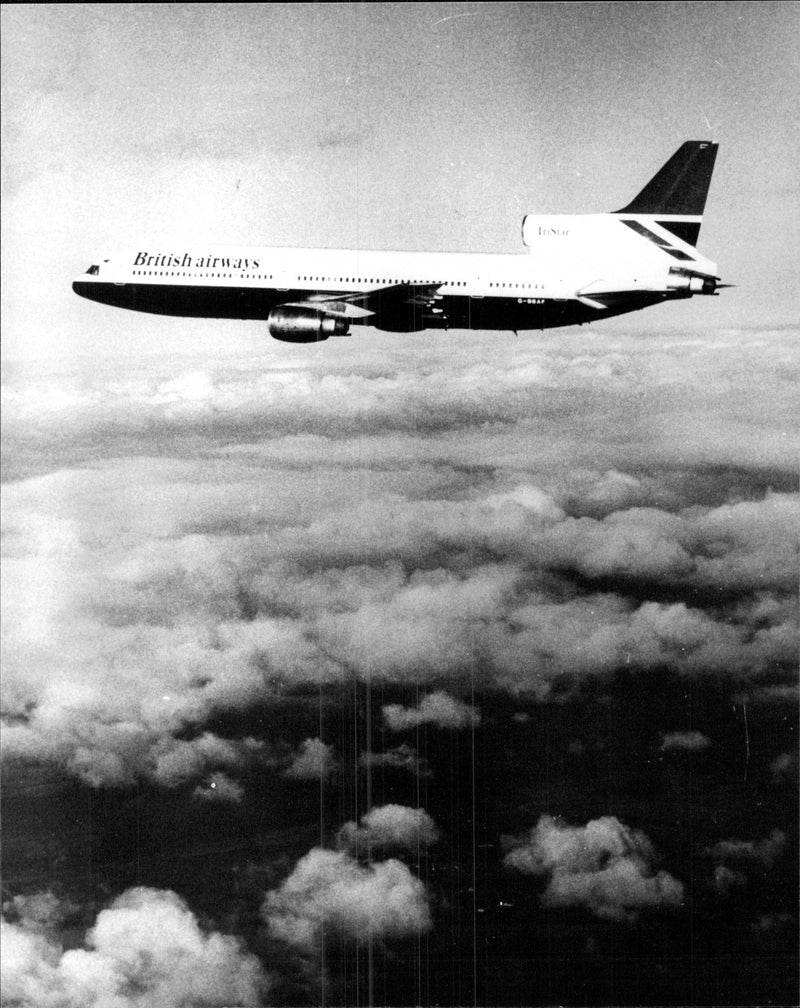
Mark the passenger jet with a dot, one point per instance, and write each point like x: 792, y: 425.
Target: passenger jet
x: 578, y: 268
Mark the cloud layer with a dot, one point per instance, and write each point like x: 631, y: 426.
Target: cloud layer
x: 518, y: 521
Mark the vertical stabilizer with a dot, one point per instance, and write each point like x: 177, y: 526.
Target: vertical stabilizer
x: 676, y: 195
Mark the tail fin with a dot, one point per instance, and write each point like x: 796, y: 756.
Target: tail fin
x: 679, y: 189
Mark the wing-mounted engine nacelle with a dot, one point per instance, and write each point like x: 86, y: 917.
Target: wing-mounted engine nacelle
x: 304, y: 325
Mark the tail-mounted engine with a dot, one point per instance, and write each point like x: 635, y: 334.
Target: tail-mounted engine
x: 304, y: 325
x: 687, y: 283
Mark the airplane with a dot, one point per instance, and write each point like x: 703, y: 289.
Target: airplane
x: 579, y: 268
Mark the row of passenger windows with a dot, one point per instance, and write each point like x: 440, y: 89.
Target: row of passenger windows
x: 383, y: 281
x: 248, y: 276
x: 437, y: 283
x: 265, y: 276
x: 518, y: 286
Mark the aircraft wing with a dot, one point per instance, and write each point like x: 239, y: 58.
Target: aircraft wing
x: 404, y: 307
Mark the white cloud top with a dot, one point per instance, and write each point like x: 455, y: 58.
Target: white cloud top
x: 331, y: 890
x: 388, y: 826
x: 314, y: 761
x: 603, y: 866
x: 146, y: 949
x: 438, y: 708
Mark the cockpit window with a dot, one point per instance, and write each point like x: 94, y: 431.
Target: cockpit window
x: 93, y: 270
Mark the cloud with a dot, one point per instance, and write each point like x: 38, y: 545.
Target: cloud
x: 402, y: 757
x: 331, y: 890
x: 746, y: 857
x: 784, y: 765
x: 751, y: 545
x: 768, y: 924
x: 185, y: 761
x: 466, y: 518
x: 776, y: 693
x: 147, y: 948
x: 763, y: 853
x: 388, y: 827
x: 603, y: 866
x: 38, y: 912
x: 724, y: 879
x: 219, y: 788
x: 314, y: 761
x: 82, y: 733
x: 117, y: 644
x: 436, y: 708
x: 421, y: 629
x: 545, y: 639
x: 691, y: 741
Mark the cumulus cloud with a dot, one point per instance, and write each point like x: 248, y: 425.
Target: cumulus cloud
x: 438, y: 708
x: 389, y: 826
x: 331, y: 890
x: 745, y: 546
x: 603, y: 866
x: 183, y: 761
x: 314, y: 761
x: 147, y: 948
x: 82, y: 735
x: 690, y: 741
x: 593, y: 635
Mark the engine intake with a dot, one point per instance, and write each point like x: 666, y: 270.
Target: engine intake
x: 304, y: 325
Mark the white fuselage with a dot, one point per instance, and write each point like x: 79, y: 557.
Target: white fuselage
x: 578, y: 268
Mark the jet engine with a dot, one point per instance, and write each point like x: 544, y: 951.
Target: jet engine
x: 304, y: 325
x: 692, y: 283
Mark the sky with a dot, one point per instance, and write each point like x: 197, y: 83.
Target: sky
x: 411, y: 669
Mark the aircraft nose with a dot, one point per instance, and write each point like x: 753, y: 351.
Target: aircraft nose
x: 84, y: 288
